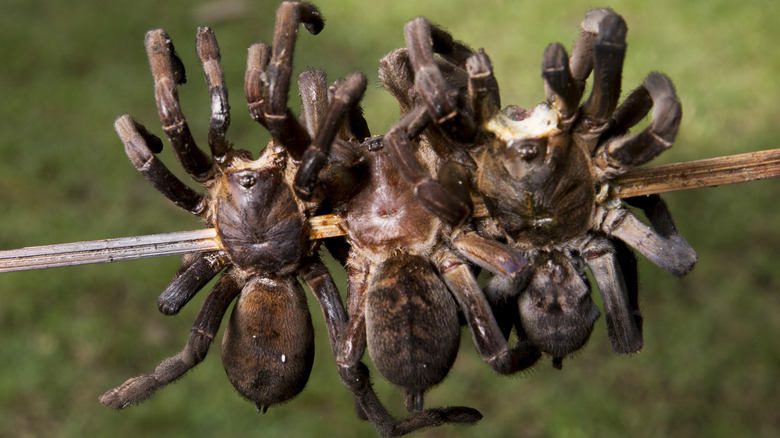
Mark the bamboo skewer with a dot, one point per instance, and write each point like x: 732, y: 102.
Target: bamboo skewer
x: 108, y: 250
x: 711, y: 172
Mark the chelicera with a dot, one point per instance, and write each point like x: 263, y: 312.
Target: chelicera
x: 544, y: 177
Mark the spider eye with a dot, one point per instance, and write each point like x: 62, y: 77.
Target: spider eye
x: 526, y: 150
x: 247, y: 181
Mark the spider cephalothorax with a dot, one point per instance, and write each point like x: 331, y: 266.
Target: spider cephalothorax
x: 544, y: 175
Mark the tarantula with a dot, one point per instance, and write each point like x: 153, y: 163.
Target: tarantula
x: 408, y: 275
x: 268, y: 344
x: 544, y: 177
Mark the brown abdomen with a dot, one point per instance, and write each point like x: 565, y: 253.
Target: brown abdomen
x: 268, y: 346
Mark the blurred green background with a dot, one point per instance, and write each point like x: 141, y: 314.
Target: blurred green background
x: 711, y: 361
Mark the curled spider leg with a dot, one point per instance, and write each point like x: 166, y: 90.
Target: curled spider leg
x: 196, y: 270
x: 397, y: 77
x: 670, y: 253
x: 608, y: 52
x: 168, y: 71
x: 620, y: 300
x: 563, y: 91
x: 344, y: 98
x: 491, y: 255
x: 267, y: 81
x: 639, y: 148
x: 452, y: 208
x: 441, y: 102
x: 581, y: 60
x: 489, y: 339
x: 208, y: 53
x: 482, y: 87
x: 657, y: 212
x: 204, y: 329
x: 136, y: 140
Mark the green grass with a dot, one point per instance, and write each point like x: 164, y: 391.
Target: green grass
x: 711, y: 361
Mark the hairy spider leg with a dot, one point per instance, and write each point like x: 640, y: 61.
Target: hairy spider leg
x: 635, y: 149
x: 208, y: 54
x: 203, y: 331
x: 487, y: 335
x: 168, y: 72
x: 136, y: 140
x: 267, y: 82
x: 620, y: 301
x: 196, y: 270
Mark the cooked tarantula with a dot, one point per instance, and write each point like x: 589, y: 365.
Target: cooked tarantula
x: 544, y: 177
x: 408, y: 273
x: 268, y: 344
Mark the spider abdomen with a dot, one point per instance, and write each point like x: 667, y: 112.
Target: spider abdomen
x: 412, y: 326
x: 268, y: 346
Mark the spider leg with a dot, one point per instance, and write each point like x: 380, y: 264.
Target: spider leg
x: 487, y: 335
x: 669, y: 252
x: 562, y: 89
x: 268, y: 80
x: 484, y: 97
x: 168, y: 71
x: 316, y: 156
x: 439, y: 98
x: 620, y: 300
x: 608, y: 53
x: 397, y: 77
x: 204, y: 329
x: 208, y: 53
x: 491, y: 255
x: 657, y: 212
x: 319, y: 280
x: 453, y: 208
x: 258, y: 57
x: 629, y: 267
x: 137, y: 141
x: 196, y: 270
x: 313, y: 87
x: 632, y: 150
x: 581, y: 60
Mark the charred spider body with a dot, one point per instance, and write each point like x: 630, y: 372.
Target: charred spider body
x: 268, y: 345
x: 409, y: 275
x: 544, y: 176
